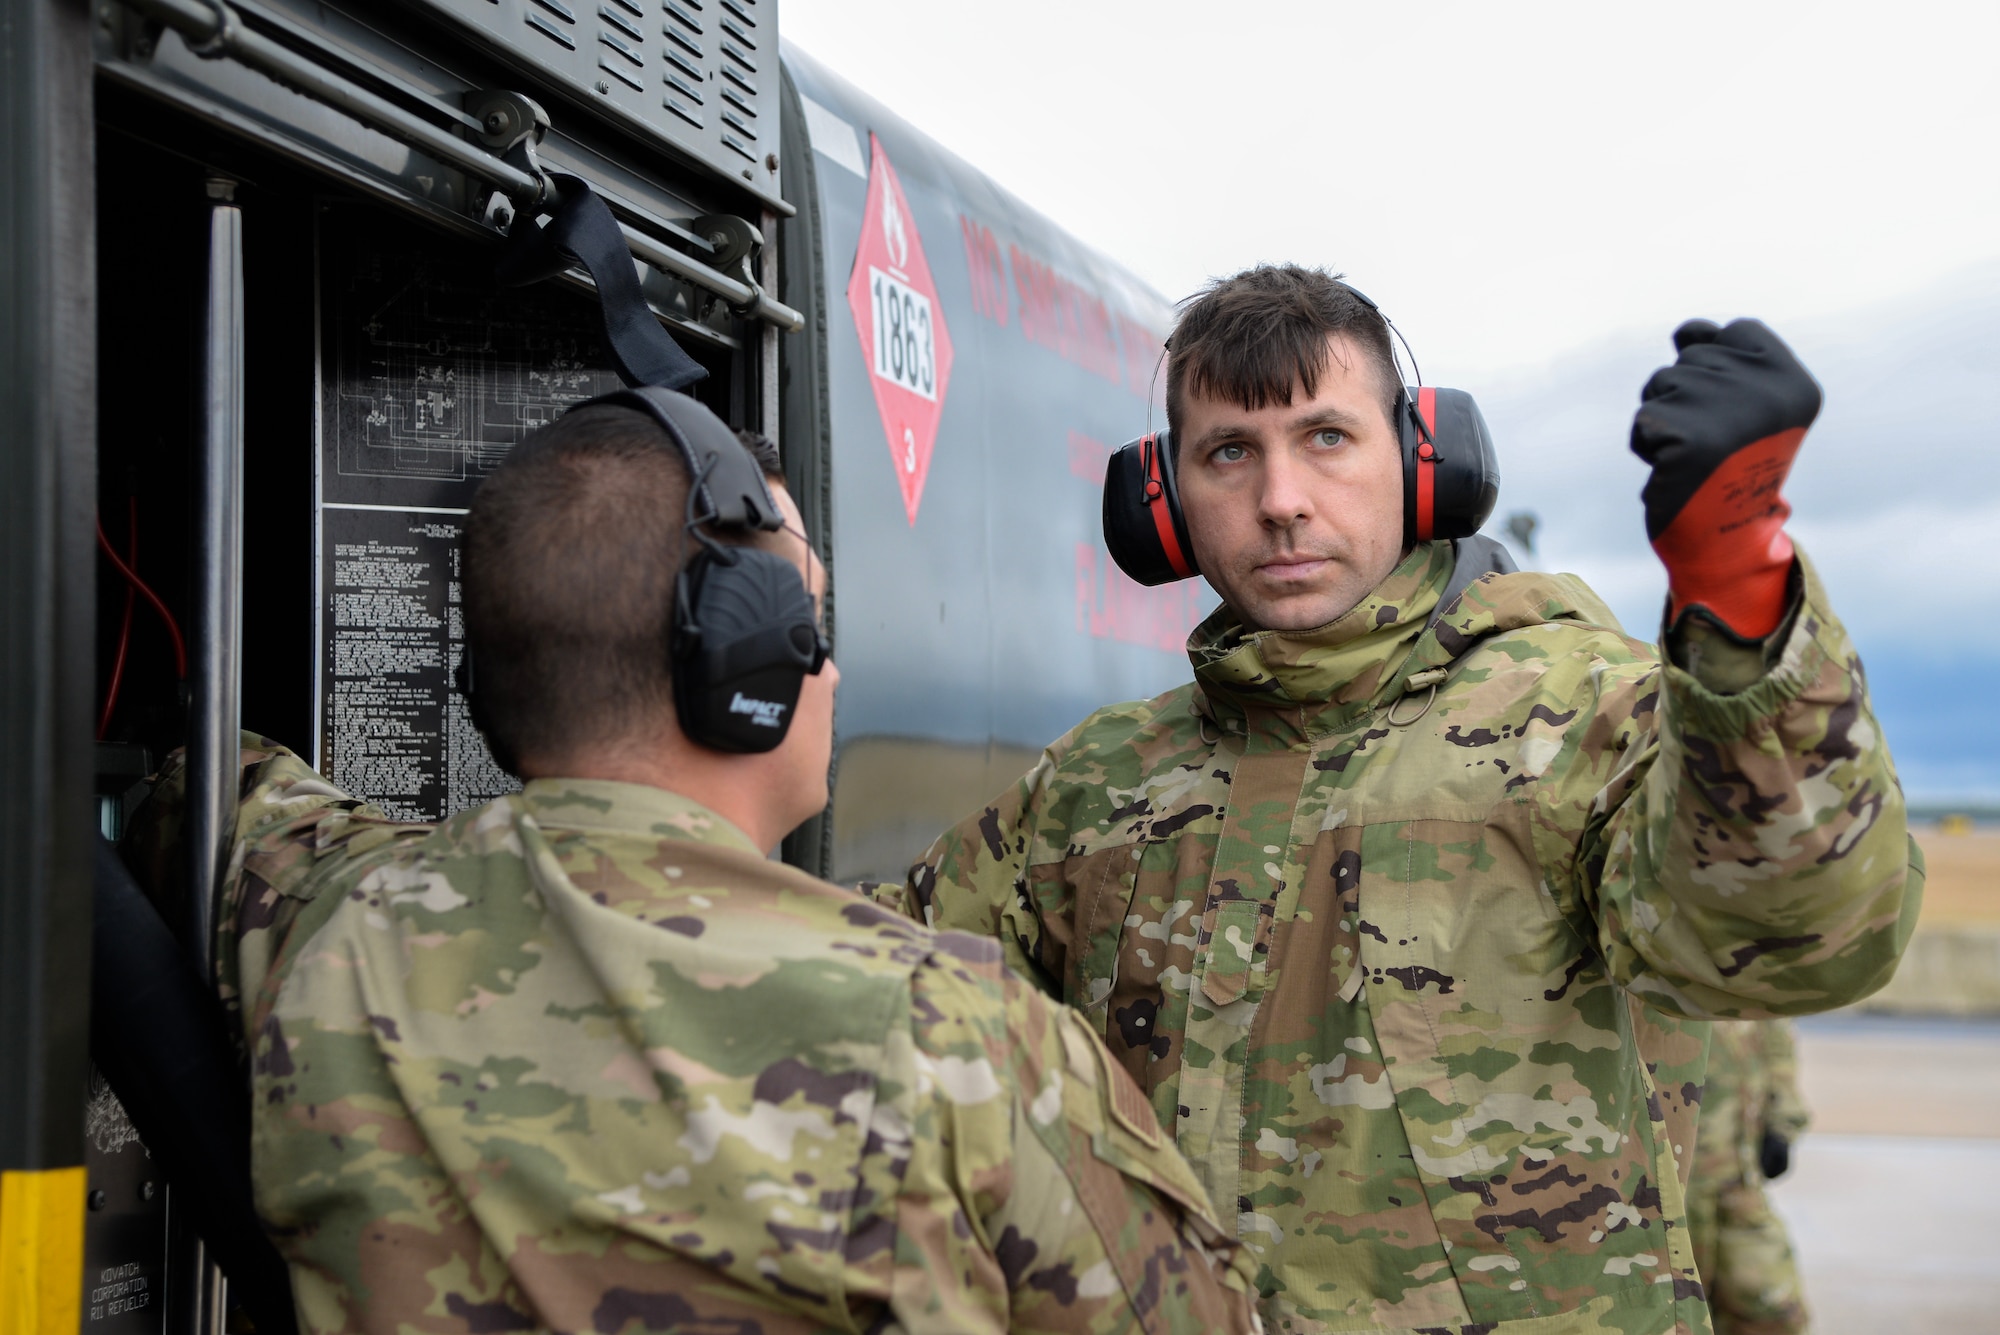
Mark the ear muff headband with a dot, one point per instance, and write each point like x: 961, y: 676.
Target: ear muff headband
x: 725, y: 483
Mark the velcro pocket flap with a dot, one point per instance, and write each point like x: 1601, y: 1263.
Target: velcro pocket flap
x: 1230, y: 951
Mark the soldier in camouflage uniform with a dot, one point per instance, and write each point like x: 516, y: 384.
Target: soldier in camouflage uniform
x: 584, y: 1059
x: 1751, y: 1113
x: 1410, y: 918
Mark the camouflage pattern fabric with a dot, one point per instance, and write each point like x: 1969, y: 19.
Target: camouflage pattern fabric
x: 1740, y: 1244
x: 583, y: 1059
x: 1412, y: 934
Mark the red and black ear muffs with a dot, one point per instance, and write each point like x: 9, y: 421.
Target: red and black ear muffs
x: 1143, y: 525
x: 1451, y: 480
x: 1451, y: 477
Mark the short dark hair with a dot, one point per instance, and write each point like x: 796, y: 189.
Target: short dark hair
x: 765, y: 451
x: 1251, y: 337
x: 570, y: 554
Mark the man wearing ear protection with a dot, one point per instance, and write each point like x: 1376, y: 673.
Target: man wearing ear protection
x: 1408, y: 913
x: 585, y: 1059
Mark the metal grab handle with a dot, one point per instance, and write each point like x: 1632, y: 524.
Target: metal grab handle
x: 214, y: 675
x: 213, y: 30
x: 215, y: 672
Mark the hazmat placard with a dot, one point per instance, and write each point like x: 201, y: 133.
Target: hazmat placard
x: 904, y: 341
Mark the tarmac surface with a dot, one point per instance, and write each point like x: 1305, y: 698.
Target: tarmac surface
x: 1894, y: 1197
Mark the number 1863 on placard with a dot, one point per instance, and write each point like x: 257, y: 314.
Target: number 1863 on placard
x: 905, y: 348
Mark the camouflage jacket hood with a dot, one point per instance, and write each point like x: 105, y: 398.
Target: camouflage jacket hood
x: 1411, y: 934
x: 1314, y: 682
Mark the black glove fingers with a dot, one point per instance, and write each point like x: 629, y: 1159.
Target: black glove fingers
x: 1696, y: 331
x: 1658, y: 385
x: 1752, y: 336
x: 1657, y: 437
x: 1729, y: 388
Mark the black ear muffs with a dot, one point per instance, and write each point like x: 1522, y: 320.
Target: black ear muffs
x: 746, y: 636
x: 1451, y: 477
x: 1143, y: 525
x: 745, y: 632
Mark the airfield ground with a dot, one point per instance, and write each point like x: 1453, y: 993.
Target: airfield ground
x: 1964, y: 876
x: 1894, y: 1204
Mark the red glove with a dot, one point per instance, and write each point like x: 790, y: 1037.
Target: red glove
x: 1720, y: 427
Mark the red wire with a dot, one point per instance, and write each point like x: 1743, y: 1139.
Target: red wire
x: 125, y: 625
x: 145, y: 591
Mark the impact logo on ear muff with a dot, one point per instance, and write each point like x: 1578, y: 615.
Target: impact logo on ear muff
x: 1451, y: 480
x: 746, y: 636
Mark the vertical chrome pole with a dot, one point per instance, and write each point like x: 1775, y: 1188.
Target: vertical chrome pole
x: 213, y: 722
x: 767, y: 348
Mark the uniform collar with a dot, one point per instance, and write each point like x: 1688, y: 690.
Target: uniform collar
x: 1302, y: 684
x: 605, y: 806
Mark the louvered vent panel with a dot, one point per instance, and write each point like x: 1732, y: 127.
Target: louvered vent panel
x: 699, y: 74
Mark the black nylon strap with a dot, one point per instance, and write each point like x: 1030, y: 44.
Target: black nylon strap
x: 582, y: 231
x: 160, y: 1037
x: 1471, y: 557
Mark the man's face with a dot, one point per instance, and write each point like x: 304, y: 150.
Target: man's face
x: 1296, y: 510
x: 807, y: 751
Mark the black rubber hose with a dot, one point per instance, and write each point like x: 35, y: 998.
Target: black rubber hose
x: 161, y: 1039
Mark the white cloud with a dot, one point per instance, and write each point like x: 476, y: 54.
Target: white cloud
x: 1912, y: 572
x: 1510, y: 181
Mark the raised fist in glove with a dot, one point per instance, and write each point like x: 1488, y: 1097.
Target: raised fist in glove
x: 1720, y: 428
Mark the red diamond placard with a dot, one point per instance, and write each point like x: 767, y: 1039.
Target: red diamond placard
x: 904, y: 341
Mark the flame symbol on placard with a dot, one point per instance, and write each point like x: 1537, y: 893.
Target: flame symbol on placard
x: 893, y: 232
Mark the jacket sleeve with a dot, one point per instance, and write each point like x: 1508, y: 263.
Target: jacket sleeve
x: 1040, y: 1194
x: 1785, y: 1110
x: 976, y: 877
x: 1748, y: 853
x: 291, y: 827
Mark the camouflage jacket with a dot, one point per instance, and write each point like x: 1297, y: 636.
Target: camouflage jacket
x: 582, y: 1059
x: 1752, y: 1087
x: 1409, y: 933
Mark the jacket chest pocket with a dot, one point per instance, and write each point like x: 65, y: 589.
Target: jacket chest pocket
x: 1250, y: 871
x: 1138, y: 927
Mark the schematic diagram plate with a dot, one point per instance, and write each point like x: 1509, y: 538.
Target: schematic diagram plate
x: 437, y: 372
x: 430, y: 373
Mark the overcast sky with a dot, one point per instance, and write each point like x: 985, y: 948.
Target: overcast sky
x: 1511, y: 182
x: 1537, y: 193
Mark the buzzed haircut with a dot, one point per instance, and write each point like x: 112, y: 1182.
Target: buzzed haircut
x: 569, y: 560
x: 1250, y: 338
